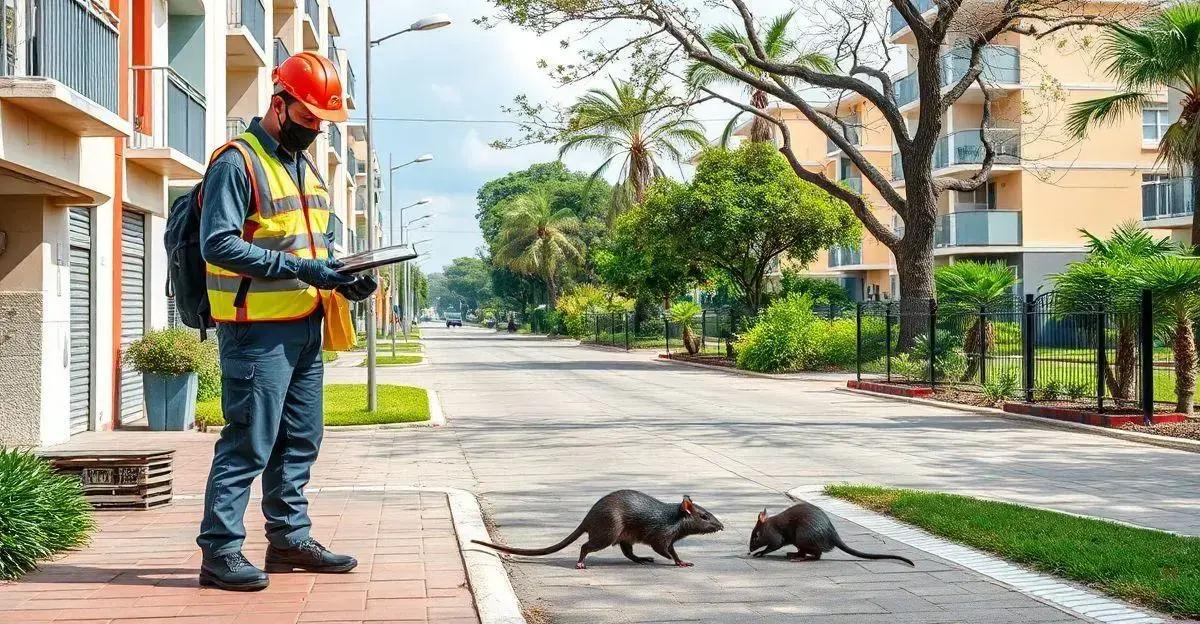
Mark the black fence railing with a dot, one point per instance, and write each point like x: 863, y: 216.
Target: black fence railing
x: 1036, y: 349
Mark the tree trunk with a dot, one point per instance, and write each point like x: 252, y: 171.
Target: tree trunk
x: 1195, y: 202
x: 689, y: 341
x: 1185, y: 365
x: 971, y: 345
x: 1121, y: 383
x: 914, y: 266
x: 760, y: 129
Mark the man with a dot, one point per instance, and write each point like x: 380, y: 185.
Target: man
x: 264, y: 234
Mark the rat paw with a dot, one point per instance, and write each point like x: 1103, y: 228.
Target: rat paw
x: 684, y: 564
x: 580, y: 566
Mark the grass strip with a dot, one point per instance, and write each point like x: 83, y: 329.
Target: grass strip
x: 346, y: 404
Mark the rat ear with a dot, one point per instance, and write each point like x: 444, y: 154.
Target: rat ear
x: 687, y: 505
x: 762, y: 516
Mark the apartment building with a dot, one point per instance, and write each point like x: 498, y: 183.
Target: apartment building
x: 1043, y: 187
x: 108, y: 112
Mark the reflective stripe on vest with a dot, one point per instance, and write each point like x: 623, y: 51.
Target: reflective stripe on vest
x: 282, y: 219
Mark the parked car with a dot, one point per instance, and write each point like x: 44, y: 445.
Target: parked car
x: 453, y: 319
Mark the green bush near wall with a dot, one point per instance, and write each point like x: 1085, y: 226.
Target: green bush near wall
x: 41, y: 513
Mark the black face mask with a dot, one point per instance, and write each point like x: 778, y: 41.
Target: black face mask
x: 294, y: 137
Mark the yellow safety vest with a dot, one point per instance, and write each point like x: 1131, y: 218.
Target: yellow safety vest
x: 283, y: 219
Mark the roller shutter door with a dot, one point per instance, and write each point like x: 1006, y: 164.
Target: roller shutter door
x: 81, y: 319
x: 133, y: 307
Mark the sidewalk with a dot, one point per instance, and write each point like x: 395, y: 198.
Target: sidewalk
x: 142, y: 566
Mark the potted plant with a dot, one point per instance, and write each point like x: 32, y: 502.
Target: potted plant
x: 169, y: 360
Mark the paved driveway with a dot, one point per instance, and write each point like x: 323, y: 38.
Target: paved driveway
x: 542, y: 428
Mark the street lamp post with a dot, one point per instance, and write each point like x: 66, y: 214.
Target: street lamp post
x: 394, y: 296
x: 432, y: 22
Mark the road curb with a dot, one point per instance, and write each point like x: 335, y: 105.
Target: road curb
x: 746, y: 373
x: 1178, y: 444
x: 1061, y: 594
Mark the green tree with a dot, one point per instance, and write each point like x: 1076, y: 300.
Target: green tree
x: 745, y: 207
x: 537, y: 239
x: 465, y: 279
x: 633, y: 123
x: 1164, y: 52
x: 684, y: 314
x: 1101, y: 283
x: 820, y: 290
x: 641, y: 258
x: 1174, y: 283
x: 777, y: 46
x: 970, y: 288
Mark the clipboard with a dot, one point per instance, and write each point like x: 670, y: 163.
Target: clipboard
x: 375, y: 258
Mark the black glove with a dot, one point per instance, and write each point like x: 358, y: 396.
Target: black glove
x: 322, y: 273
x: 360, y: 289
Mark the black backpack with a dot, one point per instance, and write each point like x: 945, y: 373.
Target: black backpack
x: 186, y: 270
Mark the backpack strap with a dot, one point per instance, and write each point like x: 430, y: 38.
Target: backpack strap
x: 313, y: 167
x: 235, y: 144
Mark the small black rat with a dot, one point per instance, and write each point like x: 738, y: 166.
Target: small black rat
x: 807, y: 528
x: 627, y: 517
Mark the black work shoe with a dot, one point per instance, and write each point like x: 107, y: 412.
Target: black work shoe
x: 308, y: 555
x: 233, y: 572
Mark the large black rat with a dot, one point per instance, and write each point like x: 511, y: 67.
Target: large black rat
x: 807, y: 528
x: 629, y: 517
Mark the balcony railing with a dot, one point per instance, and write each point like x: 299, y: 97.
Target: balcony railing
x: 311, y: 9
x: 853, y: 183
x: 1001, y: 65
x: 349, y: 81
x: 844, y: 256
x: 281, y: 52
x: 234, y: 126
x: 335, y: 138
x: 965, y: 147
x: 1167, y: 198
x: 70, y: 41
x: 253, y: 16
x: 978, y: 228
x: 173, y: 116
x: 331, y: 49
x: 351, y: 162
x: 896, y: 20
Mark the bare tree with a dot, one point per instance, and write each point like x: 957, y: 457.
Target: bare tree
x: 656, y: 33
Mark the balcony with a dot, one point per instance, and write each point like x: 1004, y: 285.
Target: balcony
x: 844, y: 256
x: 853, y: 183
x: 234, y: 126
x: 312, y: 25
x: 349, y: 85
x: 168, y: 124
x: 965, y: 147
x: 280, y: 52
x: 1001, y: 66
x: 1167, y: 198
x: 246, y: 38
x: 978, y: 228
x: 896, y: 21
x: 897, y: 166
x: 335, y: 142
x: 331, y: 49
x: 351, y: 162
x: 67, y: 72
x: 850, y: 133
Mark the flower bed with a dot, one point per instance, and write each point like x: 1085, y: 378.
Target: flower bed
x: 711, y: 360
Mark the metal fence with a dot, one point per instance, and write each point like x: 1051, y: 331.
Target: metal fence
x: 1035, y: 349
x: 170, y: 112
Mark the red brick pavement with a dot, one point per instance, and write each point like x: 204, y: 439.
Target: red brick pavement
x: 141, y: 567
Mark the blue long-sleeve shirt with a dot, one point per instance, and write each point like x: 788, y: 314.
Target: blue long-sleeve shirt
x: 226, y: 204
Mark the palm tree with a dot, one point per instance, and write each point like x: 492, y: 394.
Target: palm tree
x: 724, y: 41
x: 637, y: 124
x: 1101, y: 283
x: 1163, y: 53
x: 536, y: 239
x: 683, y: 314
x: 972, y: 289
x: 1174, y: 283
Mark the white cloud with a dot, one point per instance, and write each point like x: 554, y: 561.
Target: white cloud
x: 447, y: 94
x: 477, y: 154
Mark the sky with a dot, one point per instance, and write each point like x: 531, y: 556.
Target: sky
x: 465, y: 73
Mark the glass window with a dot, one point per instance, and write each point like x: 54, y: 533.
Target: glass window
x: 1154, y: 123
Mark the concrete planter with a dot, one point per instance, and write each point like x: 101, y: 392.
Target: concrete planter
x: 170, y: 400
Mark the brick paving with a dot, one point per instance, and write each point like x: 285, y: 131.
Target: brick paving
x: 142, y: 566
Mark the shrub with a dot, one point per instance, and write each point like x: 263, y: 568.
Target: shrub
x: 41, y: 513
x: 1052, y: 391
x: 1001, y: 388
x: 837, y: 344
x: 166, y: 352
x: 209, y: 376
x: 1077, y: 390
x: 949, y: 362
x: 784, y: 338
x: 652, y: 326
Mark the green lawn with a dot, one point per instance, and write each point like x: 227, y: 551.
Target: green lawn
x: 329, y: 356
x: 346, y: 404
x: 388, y: 360
x: 618, y: 340
x: 1152, y: 568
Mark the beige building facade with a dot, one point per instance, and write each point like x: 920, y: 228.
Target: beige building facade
x: 102, y: 125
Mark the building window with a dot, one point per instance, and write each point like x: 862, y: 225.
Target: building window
x: 1154, y: 123
x: 982, y: 198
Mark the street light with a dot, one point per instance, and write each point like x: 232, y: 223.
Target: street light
x: 408, y: 226
x: 437, y: 20
x: 394, y: 297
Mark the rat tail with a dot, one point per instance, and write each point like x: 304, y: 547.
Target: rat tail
x: 837, y: 541
x: 534, y: 552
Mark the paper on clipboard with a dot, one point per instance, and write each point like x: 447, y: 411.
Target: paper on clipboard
x: 376, y: 258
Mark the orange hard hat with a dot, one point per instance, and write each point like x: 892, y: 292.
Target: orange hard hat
x: 312, y: 80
